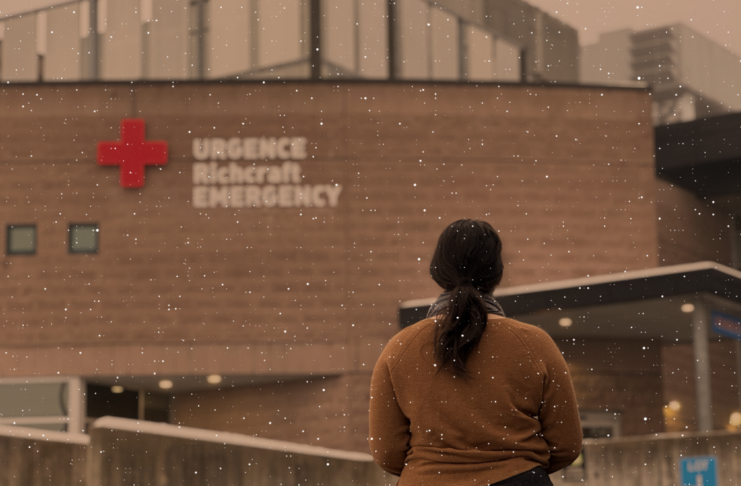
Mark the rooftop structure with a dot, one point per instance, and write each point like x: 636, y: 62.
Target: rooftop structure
x: 690, y: 75
x: 130, y: 40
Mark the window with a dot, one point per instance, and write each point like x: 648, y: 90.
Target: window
x: 121, y: 40
x: 231, y: 30
x: 21, y: 239
x: 480, y: 62
x: 339, y: 36
x: 117, y: 401
x: 281, y: 38
x: 19, y: 63
x: 372, y: 39
x: 83, y: 238
x: 412, y: 36
x: 444, y: 45
x: 42, y: 403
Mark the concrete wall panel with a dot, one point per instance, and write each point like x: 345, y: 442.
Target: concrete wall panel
x: 63, y: 61
x: 20, y: 62
x: 121, y: 45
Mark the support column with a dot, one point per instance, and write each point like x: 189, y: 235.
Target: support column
x: 738, y: 371
x: 523, y: 65
x: 89, y: 40
x: 315, y: 44
x: 76, y: 409
x: 142, y: 405
x: 702, y: 367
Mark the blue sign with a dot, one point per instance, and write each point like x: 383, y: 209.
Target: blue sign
x: 698, y: 471
x: 726, y: 325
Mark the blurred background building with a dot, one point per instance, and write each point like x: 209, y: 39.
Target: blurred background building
x: 691, y: 77
x: 108, y: 40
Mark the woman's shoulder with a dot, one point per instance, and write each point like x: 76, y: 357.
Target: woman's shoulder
x: 406, y: 337
x: 532, y: 336
x: 517, y: 326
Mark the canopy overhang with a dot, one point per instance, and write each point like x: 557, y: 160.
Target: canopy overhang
x: 667, y: 304
x: 636, y: 304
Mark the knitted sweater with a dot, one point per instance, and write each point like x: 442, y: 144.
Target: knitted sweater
x: 516, y: 410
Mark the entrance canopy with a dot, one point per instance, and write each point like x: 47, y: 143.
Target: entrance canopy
x: 657, y: 303
x: 703, y: 156
x: 667, y: 304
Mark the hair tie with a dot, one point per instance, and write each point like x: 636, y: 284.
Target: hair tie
x: 465, y: 281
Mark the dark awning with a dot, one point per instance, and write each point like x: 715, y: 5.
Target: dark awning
x: 703, y: 156
x: 640, y: 303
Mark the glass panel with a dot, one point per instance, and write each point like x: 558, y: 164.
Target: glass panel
x: 445, y: 38
x: 19, y: 61
x: 33, y: 400
x: 157, y: 407
x: 229, y: 51
x: 372, y: 39
x: 167, y: 47
x: 412, y: 39
x: 480, y: 60
x: 121, y: 46
x: 507, y: 61
x: 62, y: 60
x: 279, y: 31
x: 83, y: 238
x: 21, y: 239
x: 42, y: 29
x: 597, y: 432
x: 339, y: 44
x: 102, y: 401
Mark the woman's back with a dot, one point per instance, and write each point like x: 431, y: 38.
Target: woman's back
x: 467, y: 396
x: 515, y: 411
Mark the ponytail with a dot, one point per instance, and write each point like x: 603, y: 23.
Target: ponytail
x: 467, y: 263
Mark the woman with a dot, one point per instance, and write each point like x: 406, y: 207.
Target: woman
x: 467, y: 396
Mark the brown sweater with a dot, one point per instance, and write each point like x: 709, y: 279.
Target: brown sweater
x: 516, y: 411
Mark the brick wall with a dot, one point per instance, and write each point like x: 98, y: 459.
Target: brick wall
x: 329, y: 411
x: 691, y: 229
x: 618, y: 376
x: 168, y: 272
x: 678, y: 377
x: 564, y: 173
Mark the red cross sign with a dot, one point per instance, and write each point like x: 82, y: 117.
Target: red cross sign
x: 132, y: 153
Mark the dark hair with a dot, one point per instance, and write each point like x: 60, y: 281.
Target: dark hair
x: 467, y: 263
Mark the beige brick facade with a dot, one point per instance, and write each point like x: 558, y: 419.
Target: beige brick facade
x: 306, y: 295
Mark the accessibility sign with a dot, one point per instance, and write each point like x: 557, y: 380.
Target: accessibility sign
x: 726, y: 325
x: 698, y: 471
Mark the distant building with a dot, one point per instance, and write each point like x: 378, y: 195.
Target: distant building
x: 691, y: 76
x: 129, y: 40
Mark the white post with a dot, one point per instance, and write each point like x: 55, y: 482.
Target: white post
x: 76, y: 405
x: 702, y: 367
x: 738, y: 371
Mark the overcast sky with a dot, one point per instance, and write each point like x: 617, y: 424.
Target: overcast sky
x: 717, y: 19
x: 720, y: 20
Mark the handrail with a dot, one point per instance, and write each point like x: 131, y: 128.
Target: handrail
x: 180, y: 432
x: 43, y: 435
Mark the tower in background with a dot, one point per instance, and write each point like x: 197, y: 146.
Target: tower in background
x: 691, y: 76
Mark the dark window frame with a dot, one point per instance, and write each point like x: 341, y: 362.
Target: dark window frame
x: 10, y: 228
x: 97, y: 238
